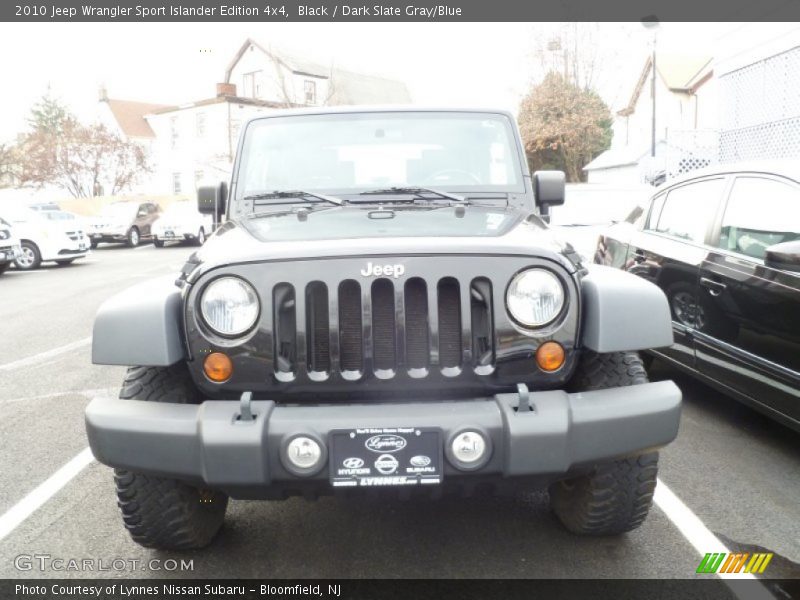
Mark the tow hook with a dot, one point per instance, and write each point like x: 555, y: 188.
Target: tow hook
x: 245, y: 409
x: 524, y: 405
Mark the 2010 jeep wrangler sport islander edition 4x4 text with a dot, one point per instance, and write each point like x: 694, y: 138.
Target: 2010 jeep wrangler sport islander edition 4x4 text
x: 383, y: 306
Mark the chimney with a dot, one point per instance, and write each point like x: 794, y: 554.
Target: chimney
x: 102, y: 93
x: 226, y: 89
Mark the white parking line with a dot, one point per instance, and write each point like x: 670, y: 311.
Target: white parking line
x: 703, y: 540
x: 42, y: 356
x: 41, y: 494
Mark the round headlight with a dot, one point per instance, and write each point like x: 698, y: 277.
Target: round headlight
x: 229, y: 306
x: 535, y: 297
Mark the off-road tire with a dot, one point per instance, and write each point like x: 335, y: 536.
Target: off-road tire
x: 616, y: 496
x: 165, y: 513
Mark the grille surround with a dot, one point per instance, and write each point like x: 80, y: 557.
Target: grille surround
x: 496, y: 357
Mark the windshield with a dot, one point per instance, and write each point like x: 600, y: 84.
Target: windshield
x: 121, y: 210
x: 57, y: 215
x: 352, y: 153
x: 332, y: 223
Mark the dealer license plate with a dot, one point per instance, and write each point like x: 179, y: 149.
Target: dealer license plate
x: 385, y: 456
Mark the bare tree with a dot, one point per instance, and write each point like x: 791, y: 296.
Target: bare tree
x: 9, y: 165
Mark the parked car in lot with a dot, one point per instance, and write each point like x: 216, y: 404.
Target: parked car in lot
x: 10, y: 249
x: 125, y: 221
x: 182, y: 222
x: 724, y: 245
x: 349, y: 327
x: 590, y: 207
x: 44, y: 238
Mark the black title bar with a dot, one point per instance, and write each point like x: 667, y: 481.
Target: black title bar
x: 261, y: 11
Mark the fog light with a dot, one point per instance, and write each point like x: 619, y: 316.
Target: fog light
x: 550, y: 356
x: 468, y: 447
x: 218, y: 367
x: 304, y: 453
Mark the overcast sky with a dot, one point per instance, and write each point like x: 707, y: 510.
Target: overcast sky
x: 442, y: 63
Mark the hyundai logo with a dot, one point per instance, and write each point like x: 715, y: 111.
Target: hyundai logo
x: 385, y: 443
x: 352, y: 463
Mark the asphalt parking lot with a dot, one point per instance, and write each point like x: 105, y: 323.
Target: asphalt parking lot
x: 732, y: 469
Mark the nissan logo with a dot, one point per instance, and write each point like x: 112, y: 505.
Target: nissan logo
x: 385, y: 443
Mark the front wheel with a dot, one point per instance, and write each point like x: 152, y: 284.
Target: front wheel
x: 158, y: 243
x: 133, y: 237
x: 30, y: 259
x: 165, y: 513
x: 201, y: 238
x: 615, y: 496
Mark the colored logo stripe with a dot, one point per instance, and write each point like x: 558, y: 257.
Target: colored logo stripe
x: 733, y: 563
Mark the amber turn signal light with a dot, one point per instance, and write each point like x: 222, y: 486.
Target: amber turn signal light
x: 550, y: 356
x: 218, y: 367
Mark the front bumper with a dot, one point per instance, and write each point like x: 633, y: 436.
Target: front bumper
x: 10, y: 253
x: 207, y: 444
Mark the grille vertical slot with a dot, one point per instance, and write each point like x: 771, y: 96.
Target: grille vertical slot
x: 383, y: 325
x: 351, y: 349
x: 285, y: 328
x: 482, y: 315
x: 416, y: 305
x: 449, y: 310
x: 318, y: 339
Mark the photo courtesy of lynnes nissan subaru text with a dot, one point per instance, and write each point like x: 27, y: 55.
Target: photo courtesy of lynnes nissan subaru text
x: 383, y: 306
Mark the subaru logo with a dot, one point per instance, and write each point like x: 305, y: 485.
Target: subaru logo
x: 386, y: 464
x: 420, y: 461
x: 383, y: 270
x: 352, y: 463
x: 385, y: 443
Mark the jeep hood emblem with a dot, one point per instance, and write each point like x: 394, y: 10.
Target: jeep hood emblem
x: 372, y: 270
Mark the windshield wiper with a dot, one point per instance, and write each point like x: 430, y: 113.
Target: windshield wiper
x: 284, y: 194
x: 416, y: 191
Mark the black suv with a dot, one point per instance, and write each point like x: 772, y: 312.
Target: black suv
x: 724, y: 245
x: 383, y: 307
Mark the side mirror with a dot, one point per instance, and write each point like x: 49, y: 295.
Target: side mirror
x: 211, y: 199
x: 784, y: 256
x: 549, y: 188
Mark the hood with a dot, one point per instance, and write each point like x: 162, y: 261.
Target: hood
x: 371, y: 232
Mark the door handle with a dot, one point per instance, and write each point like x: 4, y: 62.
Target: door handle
x: 715, y: 288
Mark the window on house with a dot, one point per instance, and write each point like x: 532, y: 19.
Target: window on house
x: 311, y: 91
x: 200, y: 124
x: 173, y: 131
x: 251, y: 84
x: 176, y: 183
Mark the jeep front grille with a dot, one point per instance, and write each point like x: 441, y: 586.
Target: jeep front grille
x: 382, y: 327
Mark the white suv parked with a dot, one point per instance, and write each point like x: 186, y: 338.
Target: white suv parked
x: 181, y: 221
x: 46, y: 236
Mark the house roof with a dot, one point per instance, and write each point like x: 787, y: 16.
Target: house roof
x: 217, y: 100
x: 679, y: 72
x: 348, y: 87
x: 130, y: 115
x: 620, y: 157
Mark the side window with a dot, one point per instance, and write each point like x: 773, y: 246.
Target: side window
x: 760, y: 212
x: 689, y: 209
x: 655, y: 211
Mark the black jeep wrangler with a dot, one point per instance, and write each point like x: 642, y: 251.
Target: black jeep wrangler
x: 383, y: 306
